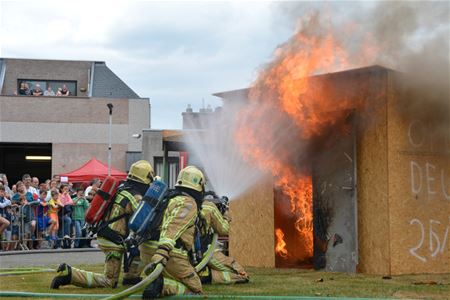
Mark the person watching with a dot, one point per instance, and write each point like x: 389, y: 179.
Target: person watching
x: 4, y: 180
x: 95, y: 185
x: 65, y: 215
x: 5, y: 217
x: 54, y: 205
x: 49, y: 91
x: 26, y: 179
x: 37, y: 91
x: 80, y: 205
x: 65, y: 91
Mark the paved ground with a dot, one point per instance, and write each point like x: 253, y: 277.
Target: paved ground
x: 50, y: 257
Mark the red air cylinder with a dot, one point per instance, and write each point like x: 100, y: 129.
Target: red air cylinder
x: 101, y: 200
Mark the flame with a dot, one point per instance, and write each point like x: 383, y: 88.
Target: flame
x: 299, y: 191
x: 290, y: 112
x: 280, y: 248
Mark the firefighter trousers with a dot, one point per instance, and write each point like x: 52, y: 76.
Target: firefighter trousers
x: 110, y: 277
x: 226, y: 270
x: 180, y: 277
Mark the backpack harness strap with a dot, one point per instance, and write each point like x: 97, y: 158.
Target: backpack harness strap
x: 104, y: 230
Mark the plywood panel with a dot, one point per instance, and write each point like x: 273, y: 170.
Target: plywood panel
x: 419, y: 184
x: 252, y: 226
x: 372, y: 185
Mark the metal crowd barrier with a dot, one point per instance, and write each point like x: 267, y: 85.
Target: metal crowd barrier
x: 23, y: 238
x: 28, y: 240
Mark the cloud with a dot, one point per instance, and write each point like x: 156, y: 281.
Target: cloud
x: 175, y: 53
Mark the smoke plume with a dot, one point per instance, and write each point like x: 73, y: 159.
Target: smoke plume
x: 275, y: 132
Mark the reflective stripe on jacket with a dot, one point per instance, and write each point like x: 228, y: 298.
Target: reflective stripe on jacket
x: 214, y: 218
x: 178, y: 222
x: 121, y: 226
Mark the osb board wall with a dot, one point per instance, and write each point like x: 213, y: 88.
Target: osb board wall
x: 419, y: 183
x: 372, y: 185
x: 252, y: 227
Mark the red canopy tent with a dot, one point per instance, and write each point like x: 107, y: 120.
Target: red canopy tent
x: 93, y: 169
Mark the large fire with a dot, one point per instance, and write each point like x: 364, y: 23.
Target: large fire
x: 289, y: 113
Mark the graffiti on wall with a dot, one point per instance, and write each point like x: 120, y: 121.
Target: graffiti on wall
x: 432, y: 180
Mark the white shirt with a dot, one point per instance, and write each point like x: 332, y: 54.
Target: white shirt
x: 33, y: 190
x: 88, y: 189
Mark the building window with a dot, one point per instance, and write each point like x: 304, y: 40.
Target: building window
x: 174, y: 169
x: 45, y: 84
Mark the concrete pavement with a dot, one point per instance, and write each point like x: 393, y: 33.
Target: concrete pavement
x: 50, y: 257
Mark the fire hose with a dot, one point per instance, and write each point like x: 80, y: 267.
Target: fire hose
x: 200, y: 297
x: 157, y: 270
x: 23, y: 271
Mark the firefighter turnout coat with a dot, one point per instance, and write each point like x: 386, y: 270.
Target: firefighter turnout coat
x: 125, y: 203
x: 223, y: 269
x: 177, y: 235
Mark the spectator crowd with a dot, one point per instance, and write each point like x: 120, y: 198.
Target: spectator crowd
x: 49, y: 214
x: 25, y: 90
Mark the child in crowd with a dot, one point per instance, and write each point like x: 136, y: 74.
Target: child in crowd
x: 65, y: 220
x: 80, y: 205
x: 53, y: 184
x: 54, y: 205
x: 43, y: 221
x: 15, y: 222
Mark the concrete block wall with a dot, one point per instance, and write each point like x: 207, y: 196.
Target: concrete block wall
x: 78, y: 127
x: 45, y: 70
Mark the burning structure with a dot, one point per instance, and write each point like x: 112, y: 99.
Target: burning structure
x: 362, y: 185
x: 357, y: 160
x: 352, y: 164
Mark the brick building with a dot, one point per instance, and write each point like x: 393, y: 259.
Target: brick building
x: 68, y: 129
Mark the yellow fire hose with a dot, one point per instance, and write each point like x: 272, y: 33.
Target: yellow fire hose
x: 23, y: 271
x: 208, y: 254
x: 158, y: 270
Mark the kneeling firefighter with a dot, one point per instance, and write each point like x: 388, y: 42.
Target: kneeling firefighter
x: 221, y: 269
x: 176, y: 238
x: 111, y: 235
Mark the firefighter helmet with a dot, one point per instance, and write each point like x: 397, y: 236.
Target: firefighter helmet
x: 191, y: 178
x: 141, y: 171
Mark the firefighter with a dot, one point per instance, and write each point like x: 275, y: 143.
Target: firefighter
x: 221, y: 268
x: 176, y: 238
x: 111, y: 236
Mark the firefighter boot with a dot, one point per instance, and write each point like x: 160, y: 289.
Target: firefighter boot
x: 154, y: 289
x: 131, y: 281
x: 205, y: 276
x: 63, y: 278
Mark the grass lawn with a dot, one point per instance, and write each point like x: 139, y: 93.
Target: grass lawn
x: 277, y: 282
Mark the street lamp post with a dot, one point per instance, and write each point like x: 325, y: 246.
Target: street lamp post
x: 110, y: 107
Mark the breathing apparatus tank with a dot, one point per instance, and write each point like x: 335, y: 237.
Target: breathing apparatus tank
x: 101, y: 201
x: 148, y: 215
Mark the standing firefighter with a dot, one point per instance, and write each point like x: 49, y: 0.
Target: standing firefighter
x: 111, y: 235
x: 176, y: 238
x: 221, y: 268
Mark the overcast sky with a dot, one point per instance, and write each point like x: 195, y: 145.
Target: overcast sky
x: 174, y: 53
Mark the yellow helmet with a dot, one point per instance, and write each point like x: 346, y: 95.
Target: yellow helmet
x: 191, y: 178
x: 141, y: 171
